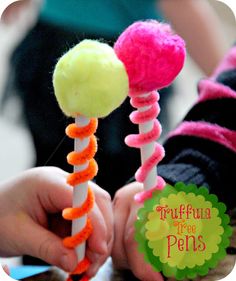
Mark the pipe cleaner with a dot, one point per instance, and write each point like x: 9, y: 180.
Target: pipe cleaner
x: 153, y: 57
x: 89, y: 82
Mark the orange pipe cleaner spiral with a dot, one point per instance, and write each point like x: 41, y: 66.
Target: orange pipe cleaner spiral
x: 76, y: 178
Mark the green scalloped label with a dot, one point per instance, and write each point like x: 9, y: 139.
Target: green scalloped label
x: 183, y: 231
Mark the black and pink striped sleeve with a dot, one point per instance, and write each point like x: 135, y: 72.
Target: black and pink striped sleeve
x: 202, y: 149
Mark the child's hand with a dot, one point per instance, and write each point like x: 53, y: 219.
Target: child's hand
x: 31, y: 221
x: 125, y: 250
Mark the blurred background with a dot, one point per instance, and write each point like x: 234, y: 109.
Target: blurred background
x: 16, y: 147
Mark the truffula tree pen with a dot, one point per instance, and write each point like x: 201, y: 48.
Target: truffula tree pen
x: 153, y: 56
x: 89, y: 82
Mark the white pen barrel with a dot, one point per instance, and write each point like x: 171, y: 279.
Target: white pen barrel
x: 80, y: 191
x: 147, y: 150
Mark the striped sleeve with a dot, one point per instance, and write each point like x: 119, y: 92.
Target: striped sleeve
x: 202, y: 149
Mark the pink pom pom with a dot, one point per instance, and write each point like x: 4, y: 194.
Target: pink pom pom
x: 152, y: 54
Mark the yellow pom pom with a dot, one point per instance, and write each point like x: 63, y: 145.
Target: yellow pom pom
x: 90, y: 80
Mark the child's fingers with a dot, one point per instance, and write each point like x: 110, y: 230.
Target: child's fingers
x: 97, y: 247
x: 96, y: 262
x: 103, y: 201
x: 43, y: 244
x: 123, y: 201
x: 141, y: 269
x: 97, y: 242
x: 53, y: 191
x: 121, y: 213
x: 107, y: 212
x: 125, y: 250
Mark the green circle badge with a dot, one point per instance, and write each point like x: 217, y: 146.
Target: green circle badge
x: 183, y: 231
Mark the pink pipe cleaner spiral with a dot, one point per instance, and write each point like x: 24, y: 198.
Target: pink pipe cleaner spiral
x: 140, y: 140
x: 153, y: 57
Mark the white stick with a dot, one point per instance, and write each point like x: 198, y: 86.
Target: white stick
x: 80, y: 191
x: 147, y: 150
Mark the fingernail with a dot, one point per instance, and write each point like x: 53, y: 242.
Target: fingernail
x: 6, y: 269
x: 67, y: 263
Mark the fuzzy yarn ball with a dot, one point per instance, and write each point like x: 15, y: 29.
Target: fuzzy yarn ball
x: 152, y: 54
x: 90, y: 80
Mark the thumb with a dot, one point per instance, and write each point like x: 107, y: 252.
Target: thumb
x: 45, y: 245
x: 52, y: 190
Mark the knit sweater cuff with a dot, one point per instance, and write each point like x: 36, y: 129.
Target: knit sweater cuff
x: 186, y: 173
